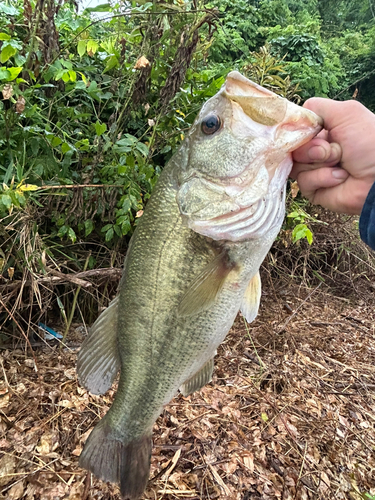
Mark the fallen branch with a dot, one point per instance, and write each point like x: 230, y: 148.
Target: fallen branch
x: 59, y: 278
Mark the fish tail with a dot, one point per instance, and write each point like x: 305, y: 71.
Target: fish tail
x: 116, y: 461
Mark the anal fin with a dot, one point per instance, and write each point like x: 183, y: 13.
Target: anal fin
x: 251, y: 300
x: 98, y: 359
x: 199, y: 379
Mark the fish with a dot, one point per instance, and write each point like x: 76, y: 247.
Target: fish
x: 192, y: 264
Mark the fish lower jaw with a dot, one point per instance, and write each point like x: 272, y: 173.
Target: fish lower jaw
x: 248, y: 223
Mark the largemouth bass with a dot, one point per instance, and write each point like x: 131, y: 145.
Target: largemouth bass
x: 192, y: 264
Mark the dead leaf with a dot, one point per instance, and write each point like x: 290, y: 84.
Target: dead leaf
x: 70, y: 373
x: 47, y: 444
x: 16, y: 491
x: 20, y: 105
x: 7, y: 91
x: 294, y: 189
x: 7, y: 467
x: 4, y: 397
x: 142, y: 63
x: 324, y: 482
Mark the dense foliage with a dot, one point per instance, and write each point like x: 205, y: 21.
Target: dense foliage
x: 95, y: 103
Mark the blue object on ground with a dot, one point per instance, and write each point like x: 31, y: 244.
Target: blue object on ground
x: 49, y: 333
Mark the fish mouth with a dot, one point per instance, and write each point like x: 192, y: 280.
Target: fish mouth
x: 294, y: 125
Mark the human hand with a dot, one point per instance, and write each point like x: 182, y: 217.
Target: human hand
x: 336, y: 169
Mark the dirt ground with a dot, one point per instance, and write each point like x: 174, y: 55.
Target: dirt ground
x: 290, y: 413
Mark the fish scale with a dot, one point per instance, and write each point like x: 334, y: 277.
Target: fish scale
x: 186, y: 274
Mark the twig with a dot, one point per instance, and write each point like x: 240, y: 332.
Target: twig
x: 70, y: 319
x: 21, y: 330
x: 61, y: 278
x: 78, y: 186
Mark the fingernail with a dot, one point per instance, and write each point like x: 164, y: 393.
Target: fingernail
x: 317, y: 153
x: 339, y: 173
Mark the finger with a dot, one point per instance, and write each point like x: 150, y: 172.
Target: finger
x: 318, y: 151
x: 311, y: 181
x: 305, y: 167
x: 346, y: 197
x: 334, y: 113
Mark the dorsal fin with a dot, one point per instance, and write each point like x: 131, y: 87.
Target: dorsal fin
x: 98, y: 359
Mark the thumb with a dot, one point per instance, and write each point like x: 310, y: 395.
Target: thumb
x: 335, y: 113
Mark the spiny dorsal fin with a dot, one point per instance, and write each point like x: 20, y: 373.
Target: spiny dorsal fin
x: 98, y: 359
x: 204, y: 289
x: 199, y: 379
x: 251, y: 300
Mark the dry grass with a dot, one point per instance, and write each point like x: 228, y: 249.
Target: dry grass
x: 290, y: 413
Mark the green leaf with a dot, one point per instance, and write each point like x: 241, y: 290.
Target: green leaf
x: 4, y: 74
x: 56, y: 141
x: 126, y: 205
x: 7, y: 52
x: 89, y: 227
x: 14, y: 72
x: 142, y: 148
x: 117, y: 231
x: 65, y: 147
x: 100, y: 128
x: 130, y: 161
x: 4, y: 36
x: 6, y: 200
x: 8, y: 9
x: 82, y: 145
x: 125, y: 226
x: 302, y: 231
x: 109, y: 234
x: 72, y: 235
x: 92, y: 47
x: 111, y: 63
x: 64, y: 76
x: 81, y: 47
x: 72, y: 75
x: 62, y: 231
x: 80, y: 85
x: 129, y: 140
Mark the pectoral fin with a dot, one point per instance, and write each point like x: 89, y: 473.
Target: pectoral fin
x: 199, y: 379
x: 203, y: 291
x: 251, y: 300
x: 98, y: 360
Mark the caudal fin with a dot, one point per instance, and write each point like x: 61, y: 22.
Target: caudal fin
x: 117, y: 462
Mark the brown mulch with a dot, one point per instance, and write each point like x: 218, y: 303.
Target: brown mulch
x: 290, y: 413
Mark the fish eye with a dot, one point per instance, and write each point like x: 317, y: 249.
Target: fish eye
x: 211, y: 124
